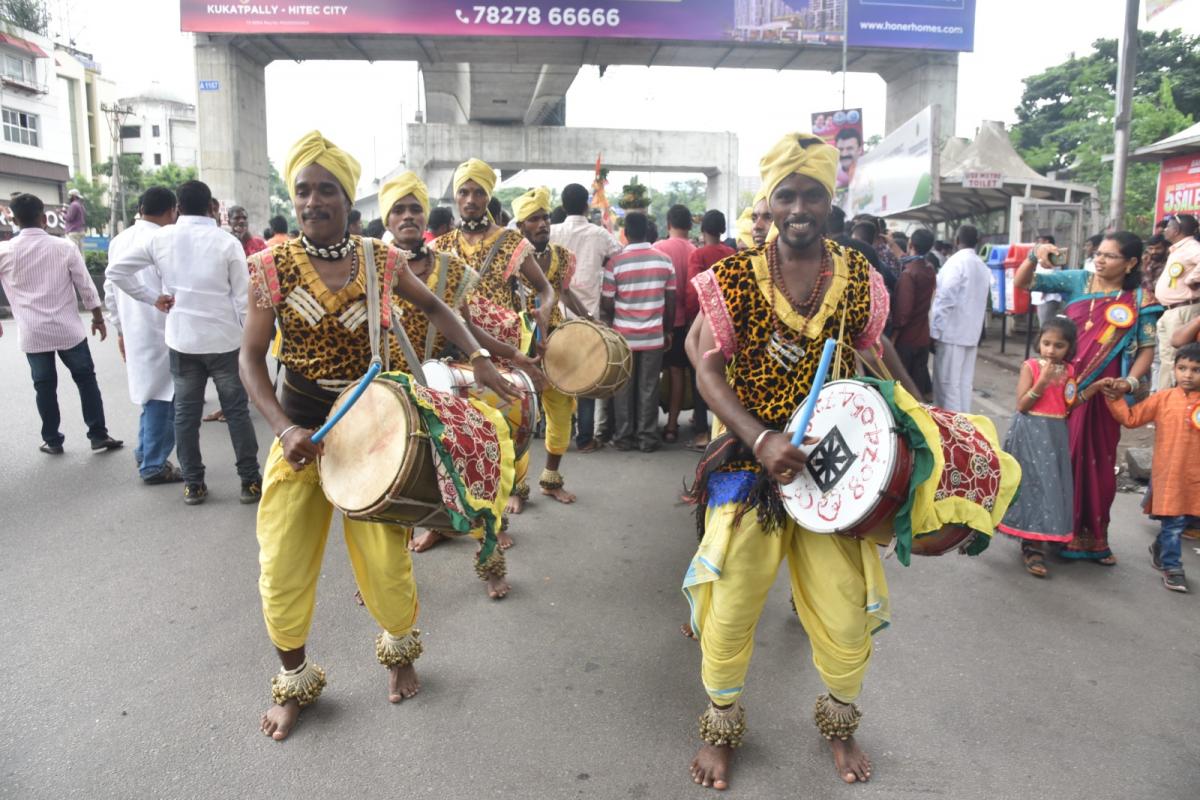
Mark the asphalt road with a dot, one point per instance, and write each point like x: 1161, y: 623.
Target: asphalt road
x: 135, y: 663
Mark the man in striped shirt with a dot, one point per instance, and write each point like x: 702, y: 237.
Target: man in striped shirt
x: 639, y: 298
x: 40, y: 274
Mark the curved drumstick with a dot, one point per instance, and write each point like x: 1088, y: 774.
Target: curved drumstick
x: 810, y: 402
x: 324, y: 430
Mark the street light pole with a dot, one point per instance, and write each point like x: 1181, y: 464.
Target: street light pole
x: 115, y: 115
x: 1126, y: 71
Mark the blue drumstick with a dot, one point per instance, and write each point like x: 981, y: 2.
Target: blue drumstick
x: 810, y: 402
x: 324, y: 430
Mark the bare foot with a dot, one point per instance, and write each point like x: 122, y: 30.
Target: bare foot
x: 403, y: 683
x: 504, y: 540
x: 711, y: 765
x: 686, y: 630
x: 560, y: 494
x: 216, y: 416
x: 419, y: 544
x: 516, y: 504
x: 497, y: 588
x: 852, y: 763
x: 278, y: 721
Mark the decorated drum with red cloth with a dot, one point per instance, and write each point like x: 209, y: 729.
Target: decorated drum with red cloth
x: 858, y: 472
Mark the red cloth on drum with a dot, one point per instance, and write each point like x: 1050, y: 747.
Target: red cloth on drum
x: 972, y: 470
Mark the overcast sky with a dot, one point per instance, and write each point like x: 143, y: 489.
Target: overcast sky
x: 1013, y: 39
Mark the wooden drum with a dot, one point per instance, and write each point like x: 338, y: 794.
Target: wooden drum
x: 378, y: 462
x: 586, y: 359
x: 521, y: 415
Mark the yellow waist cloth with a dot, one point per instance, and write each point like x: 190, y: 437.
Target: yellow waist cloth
x: 838, y: 585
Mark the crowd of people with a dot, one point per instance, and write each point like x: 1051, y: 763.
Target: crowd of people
x: 720, y: 323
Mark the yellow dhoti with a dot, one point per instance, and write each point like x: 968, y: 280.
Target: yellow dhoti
x: 838, y: 586
x: 293, y: 524
x: 559, y: 409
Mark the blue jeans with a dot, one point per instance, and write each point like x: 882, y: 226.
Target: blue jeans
x: 191, y: 373
x: 1168, y: 546
x: 156, y: 437
x: 585, y: 424
x: 78, y: 360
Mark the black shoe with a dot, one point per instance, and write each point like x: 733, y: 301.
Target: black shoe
x: 1175, y: 581
x: 623, y: 446
x: 1154, y: 557
x: 51, y: 449
x: 251, y: 492
x: 649, y: 448
x: 168, y: 474
x: 195, y: 493
x: 107, y: 443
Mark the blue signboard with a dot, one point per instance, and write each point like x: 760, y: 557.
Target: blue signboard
x: 210, y: 86
x: 922, y: 24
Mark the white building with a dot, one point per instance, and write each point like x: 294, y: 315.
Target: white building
x: 35, y: 144
x: 161, y: 129
x: 84, y: 93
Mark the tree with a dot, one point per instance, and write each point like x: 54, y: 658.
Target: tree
x: 135, y: 180
x: 691, y: 193
x: 93, y: 192
x: 279, y: 199
x: 1066, y: 114
x: 168, y: 175
x: 508, y: 194
x: 32, y: 15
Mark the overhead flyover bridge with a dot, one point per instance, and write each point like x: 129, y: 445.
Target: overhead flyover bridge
x: 492, y: 71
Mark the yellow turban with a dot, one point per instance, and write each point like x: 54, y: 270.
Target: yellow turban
x: 530, y: 203
x: 313, y: 148
x: 402, y: 186
x: 475, y: 170
x: 803, y: 154
x: 745, y: 227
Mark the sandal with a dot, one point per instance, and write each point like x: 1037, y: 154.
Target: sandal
x: 671, y: 435
x: 1035, y: 563
x: 1107, y: 561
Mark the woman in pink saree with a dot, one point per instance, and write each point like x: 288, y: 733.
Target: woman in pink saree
x: 1116, y: 321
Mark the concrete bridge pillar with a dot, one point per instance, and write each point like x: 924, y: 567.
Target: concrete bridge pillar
x: 232, y: 127
x: 918, y: 81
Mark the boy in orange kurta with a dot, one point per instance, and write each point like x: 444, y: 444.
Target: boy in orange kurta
x: 1175, y: 472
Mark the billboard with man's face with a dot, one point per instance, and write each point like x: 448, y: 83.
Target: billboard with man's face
x: 844, y: 130
x: 923, y: 24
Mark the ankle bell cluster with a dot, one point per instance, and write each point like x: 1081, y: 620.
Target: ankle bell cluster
x: 521, y: 490
x: 551, y: 479
x: 723, y: 727
x: 398, y: 651
x: 494, y: 567
x: 303, y: 684
x: 836, y: 719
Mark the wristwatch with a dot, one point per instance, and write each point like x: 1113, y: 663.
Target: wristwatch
x: 480, y: 353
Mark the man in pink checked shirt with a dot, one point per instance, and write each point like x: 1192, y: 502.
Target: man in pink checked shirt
x: 40, y: 274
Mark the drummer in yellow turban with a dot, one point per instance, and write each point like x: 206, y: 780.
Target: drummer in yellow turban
x: 404, y: 201
x: 327, y: 347
x: 531, y: 211
x: 489, y: 250
x: 765, y: 313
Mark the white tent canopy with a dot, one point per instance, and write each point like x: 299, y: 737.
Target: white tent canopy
x: 991, y: 151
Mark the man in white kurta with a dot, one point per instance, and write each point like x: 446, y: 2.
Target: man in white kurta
x: 956, y: 321
x: 141, y: 331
